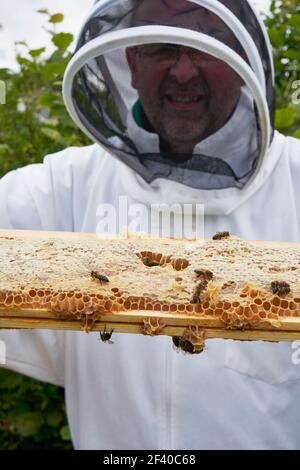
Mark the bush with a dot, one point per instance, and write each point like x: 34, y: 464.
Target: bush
x: 34, y: 123
x: 284, y: 30
x: 32, y: 414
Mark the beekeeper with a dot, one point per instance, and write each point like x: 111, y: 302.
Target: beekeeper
x: 178, y: 97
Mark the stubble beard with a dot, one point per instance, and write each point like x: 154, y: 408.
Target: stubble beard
x: 179, y: 133
x: 182, y: 134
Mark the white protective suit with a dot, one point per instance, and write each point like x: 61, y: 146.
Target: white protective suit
x: 139, y: 393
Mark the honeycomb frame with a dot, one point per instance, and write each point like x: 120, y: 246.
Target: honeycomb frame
x: 54, y: 274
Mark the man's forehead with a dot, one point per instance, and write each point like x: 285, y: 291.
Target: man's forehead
x: 172, y: 6
x: 173, y: 12
x: 168, y: 10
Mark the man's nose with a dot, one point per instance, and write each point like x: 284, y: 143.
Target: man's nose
x: 184, y: 69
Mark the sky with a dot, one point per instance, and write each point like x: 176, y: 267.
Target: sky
x: 21, y: 22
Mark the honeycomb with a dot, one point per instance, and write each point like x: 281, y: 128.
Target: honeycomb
x: 240, y: 283
x: 192, y: 341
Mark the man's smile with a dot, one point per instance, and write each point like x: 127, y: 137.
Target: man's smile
x: 184, y: 101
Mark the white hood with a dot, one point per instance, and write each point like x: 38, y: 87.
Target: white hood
x: 235, y: 152
x: 215, y: 202
x: 224, y: 167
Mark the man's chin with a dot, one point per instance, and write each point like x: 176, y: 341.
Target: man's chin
x: 183, y: 136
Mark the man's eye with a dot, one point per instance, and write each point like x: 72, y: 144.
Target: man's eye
x: 159, y: 51
x: 167, y: 50
x: 155, y: 50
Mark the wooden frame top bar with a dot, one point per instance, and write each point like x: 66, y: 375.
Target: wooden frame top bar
x: 287, y: 329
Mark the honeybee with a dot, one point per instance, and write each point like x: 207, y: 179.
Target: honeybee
x: 204, y: 274
x: 100, y: 277
x: 106, y: 335
x: 221, y: 235
x: 196, y: 299
x: 201, y: 287
x: 185, y: 345
x: 150, y: 263
x: 280, y: 287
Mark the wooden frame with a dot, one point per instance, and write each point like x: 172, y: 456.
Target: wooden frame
x: 133, y: 322
x: 286, y: 329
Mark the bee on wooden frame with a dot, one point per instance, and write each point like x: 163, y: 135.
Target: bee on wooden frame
x: 185, y: 346
x: 196, y: 299
x: 149, y: 262
x: 100, y: 277
x: 221, y: 235
x: 105, y: 336
x: 280, y: 288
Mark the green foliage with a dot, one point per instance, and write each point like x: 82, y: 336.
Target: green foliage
x: 284, y: 30
x: 32, y: 414
x: 33, y: 123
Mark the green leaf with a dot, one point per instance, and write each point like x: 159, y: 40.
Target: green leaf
x: 21, y: 43
x: 20, y: 408
x: 51, y: 122
x: 51, y: 134
x: 46, y: 99
x: 62, y: 40
x: 276, y: 37
x: 292, y: 54
x: 57, y: 18
x: 51, y: 71
x: 54, y: 418
x: 297, y: 134
x: 37, y: 52
x: 8, y: 380
x: 286, y: 117
x: 23, y: 61
x: 294, y: 20
x: 29, y: 424
x: 65, y: 433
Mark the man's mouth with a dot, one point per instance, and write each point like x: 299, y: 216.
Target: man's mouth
x: 184, y: 101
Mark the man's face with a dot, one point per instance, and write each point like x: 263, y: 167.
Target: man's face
x: 186, y: 95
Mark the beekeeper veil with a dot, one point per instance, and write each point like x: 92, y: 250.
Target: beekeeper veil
x: 176, y: 89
